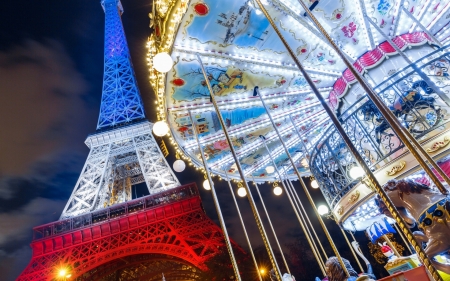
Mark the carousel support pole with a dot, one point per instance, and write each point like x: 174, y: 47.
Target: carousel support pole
x: 403, y: 238
x: 370, y: 177
x: 424, y: 29
x: 302, y: 224
x: 330, y: 240
x: 216, y: 202
x: 422, y: 75
x: 388, y: 241
x: 407, y: 139
x: 241, y: 173
x: 351, y: 248
x: 303, y: 215
x: 271, y: 227
x: 244, y: 228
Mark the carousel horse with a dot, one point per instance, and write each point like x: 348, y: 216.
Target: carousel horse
x: 418, y: 203
x: 402, y: 108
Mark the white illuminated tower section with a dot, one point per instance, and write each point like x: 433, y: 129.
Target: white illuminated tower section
x: 123, y: 151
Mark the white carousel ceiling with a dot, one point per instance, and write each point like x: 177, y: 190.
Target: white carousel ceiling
x: 240, y: 50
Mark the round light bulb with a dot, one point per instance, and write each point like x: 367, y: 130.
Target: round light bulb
x: 160, y: 128
x: 206, y: 185
x: 242, y: 192
x: 277, y: 190
x: 270, y: 169
x: 179, y: 166
x: 163, y: 62
x: 356, y: 172
x: 62, y: 272
x: 323, y: 210
x: 314, y: 184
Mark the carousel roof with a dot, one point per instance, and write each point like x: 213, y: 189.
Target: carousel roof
x: 240, y: 50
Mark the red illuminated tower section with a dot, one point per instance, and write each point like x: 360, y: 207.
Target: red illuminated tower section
x: 102, y: 233
x: 170, y: 225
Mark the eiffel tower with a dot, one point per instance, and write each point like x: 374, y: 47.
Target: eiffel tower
x: 102, y: 229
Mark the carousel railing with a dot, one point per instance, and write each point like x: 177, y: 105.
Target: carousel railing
x: 420, y: 109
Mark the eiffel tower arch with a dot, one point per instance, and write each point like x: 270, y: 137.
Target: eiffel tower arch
x: 102, y: 229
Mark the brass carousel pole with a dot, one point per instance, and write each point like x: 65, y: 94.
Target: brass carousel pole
x: 409, y: 62
x: 216, y: 202
x: 369, y: 178
x: 299, y: 216
x: 408, y: 140
x: 244, y: 228
x: 416, y: 21
x: 241, y: 173
x: 325, y: 230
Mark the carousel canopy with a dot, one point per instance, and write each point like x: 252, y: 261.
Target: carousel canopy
x: 240, y: 50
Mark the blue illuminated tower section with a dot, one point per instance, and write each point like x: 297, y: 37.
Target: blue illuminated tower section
x: 121, y: 101
x: 123, y: 152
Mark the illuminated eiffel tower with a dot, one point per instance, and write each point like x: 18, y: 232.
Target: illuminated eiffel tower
x: 101, y: 229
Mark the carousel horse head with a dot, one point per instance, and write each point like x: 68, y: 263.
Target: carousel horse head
x: 429, y: 209
x: 335, y: 272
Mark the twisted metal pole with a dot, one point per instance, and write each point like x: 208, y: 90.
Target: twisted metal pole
x: 271, y: 227
x: 408, y: 140
x: 216, y: 202
x: 315, y: 248
x: 297, y: 198
x: 242, y: 175
x: 370, y: 177
x: 299, y: 215
x: 244, y: 228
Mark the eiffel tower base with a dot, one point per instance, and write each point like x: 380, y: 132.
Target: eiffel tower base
x: 167, y: 226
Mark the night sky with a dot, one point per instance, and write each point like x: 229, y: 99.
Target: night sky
x: 51, y: 68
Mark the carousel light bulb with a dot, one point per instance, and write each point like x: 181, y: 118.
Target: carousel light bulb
x: 322, y: 209
x: 242, y: 192
x: 179, y: 166
x: 163, y: 62
x: 206, y: 185
x: 160, y: 128
x: 314, y: 184
x: 270, y: 169
x: 62, y: 272
x: 356, y: 172
x: 277, y: 191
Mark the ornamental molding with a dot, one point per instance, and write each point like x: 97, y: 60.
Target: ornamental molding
x: 438, y: 145
x: 396, y: 168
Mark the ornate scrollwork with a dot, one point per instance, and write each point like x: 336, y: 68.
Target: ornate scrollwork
x: 354, y: 197
x: 438, y: 145
x: 340, y: 210
x: 396, y: 168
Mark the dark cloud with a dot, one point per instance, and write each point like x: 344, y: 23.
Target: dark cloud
x: 43, y: 99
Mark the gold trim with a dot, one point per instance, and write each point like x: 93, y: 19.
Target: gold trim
x: 340, y: 210
x: 438, y: 145
x: 396, y: 168
x: 354, y: 197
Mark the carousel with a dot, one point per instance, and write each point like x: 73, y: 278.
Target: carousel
x: 353, y: 95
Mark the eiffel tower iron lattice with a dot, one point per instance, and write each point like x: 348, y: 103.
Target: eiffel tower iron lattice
x: 101, y: 223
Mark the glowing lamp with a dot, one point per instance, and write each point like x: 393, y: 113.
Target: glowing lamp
x: 179, y: 165
x: 242, y: 192
x: 163, y: 62
x: 262, y: 271
x: 277, y: 190
x: 314, y: 184
x: 270, y: 169
x: 206, y: 185
x: 62, y: 272
x: 160, y: 128
x: 356, y: 172
x: 323, y: 210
